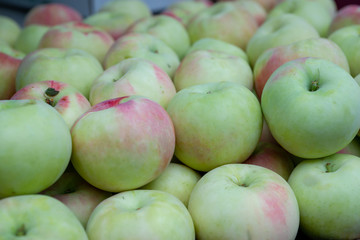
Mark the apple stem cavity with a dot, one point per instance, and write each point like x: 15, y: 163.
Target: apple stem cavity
x: 328, y: 167
x: 49, y: 94
x: 315, y: 83
x: 21, y: 231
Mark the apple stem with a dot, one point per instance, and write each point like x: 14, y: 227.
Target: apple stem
x: 327, y: 166
x: 315, y: 83
x: 21, y: 231
x: 49, y: 94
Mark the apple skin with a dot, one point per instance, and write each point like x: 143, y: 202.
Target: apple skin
x: 215, y: 124
x: 78, y: 195
x: 9, y: 30
x: 66, y: 99
x: 346, y: 16
x: 29, y: 38
x: 142, y: 45
x: 36, y: 142
x: 273, y: 58
x: 38, y: 216
x: 136, y: 8
x: 311, y: 123
x: 243, y: 201
x: 325, y: 190
x: 51, y: 14
x: 73, y: 66
x: 131, y: 143
x: 223, y: 21
x: 205, y: 66
x: 78, y: 35
x: 256, y: 10
x: 141, y: 214
x: 277, y: 31
x: 177, y: 179
x: 133, y: 76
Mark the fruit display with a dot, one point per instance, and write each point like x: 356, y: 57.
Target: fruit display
x: 207, y: 120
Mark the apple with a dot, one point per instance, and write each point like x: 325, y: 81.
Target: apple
x: 223, y: 21
x: 346, y: 16
x: 29, y: 38
x: 133, y: 76
x: 273, y: 157
x: 66, y: 99
x: 254, y: 8
x: 316, y: 47
x: 35, y: 146
x: 167, y: 29
x: 73, y: 66
x: 243, y: 201
x: 51, y: 14
x: 142, y: 45
x: 268, y: 5
x: 141, y: 214
x: 276, y: 31
x: 309, y: 111
x: 205, y: 66
x: 78, y: 35
x: 177, y: 179
x: 266, y: 135
x: 136, y: 8
x: 352, y: 148
x: 215, y: 124
x: 347, y: 38
x: 131, y: 143
x: 9, y: 30
x: 78, y: 195
x: 38, y: 216
x: 326, y: 190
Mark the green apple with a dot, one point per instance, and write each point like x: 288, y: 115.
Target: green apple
x: 9, y: 30
x: 29, y: 38
x: 35, y: 146
x: 327, y: 190
x: 243, y: 201
x: 183, y: 11
x: 268, y: 4
x: 346, y: 16
x: 141, y: 214
x: 256, y: 10
x: 38, y: 217
x: 311, y: 106
x: 136, y: 8
x: 215, y: 124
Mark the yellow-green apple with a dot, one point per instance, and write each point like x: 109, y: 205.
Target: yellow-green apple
x: 35, y: 146
x: 276, y: 31
x: 311, y: 106
x: 327, y: 190
x: 177, y: 179
x: 268, y: 5
x: 223, y: 21
x: 347, y: 38
x: 215, y: 124
x: 38, y: 216
x: 141, y: 214
x: 51, y: 14
x: 273, y: 58
x: 131, y: 143
x: 78, y: 35
x: 29, y: 38
x: 205, y: 66
x: 78, y: 195
x: 273, y: 157
x: 346, y: 16
x: 10, y: 60
x: 73, y: 66
x: 133, y: 76
x: 66, y: 99
x: 243, y: 201
x: 142, y: 45
x: 254, y: 8
x: 9, y: 30
x: 167, y: 29
x: 136, y: 8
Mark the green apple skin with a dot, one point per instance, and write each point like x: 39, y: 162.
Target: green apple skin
x: 206, y: 66
x: 256, y: 10
x: 177, y: 179
x: 273, y: 58
x: 167, y: 29
x: 73, y: 66
x: 40, y: 217
x: 215, y: 124
x: 348, y: 40
x: 326, y: 190
x: 36, y: 142
x: 346, y: 16
x: 133, y: 76
x: 9, y: 30
x: 243, y: 201
x: 66, y: 99
x: 29, y: 38
x: 223, y: 21
x: 136, y: 8
x: 131, y: 143
x: 277, y: 31
x: 311, y: 123
x: 141, y: 214
x: 268, y: 5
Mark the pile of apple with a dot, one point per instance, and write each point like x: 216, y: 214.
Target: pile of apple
x: 209, y: 120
